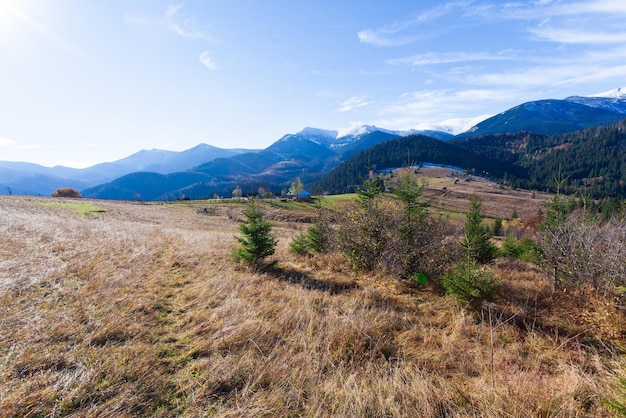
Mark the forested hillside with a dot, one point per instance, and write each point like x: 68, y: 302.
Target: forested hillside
x: 403, y: 152
x: 593, y: 160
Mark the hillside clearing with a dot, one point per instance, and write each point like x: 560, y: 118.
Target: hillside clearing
x: 137, y: 310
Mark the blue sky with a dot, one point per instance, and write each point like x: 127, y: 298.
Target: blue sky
x: 82, y: 82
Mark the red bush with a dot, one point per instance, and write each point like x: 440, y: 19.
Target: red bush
x: 67, y: 192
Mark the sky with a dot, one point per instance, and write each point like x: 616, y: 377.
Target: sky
x: 89, y: 81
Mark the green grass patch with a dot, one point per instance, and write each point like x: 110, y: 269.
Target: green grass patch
x: 82, y: 209
x: 331, y: 200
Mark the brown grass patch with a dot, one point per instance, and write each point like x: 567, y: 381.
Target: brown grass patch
x: 138, y: 311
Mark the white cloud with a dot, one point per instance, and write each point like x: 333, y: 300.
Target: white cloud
x: 383, y: 37
x: 448, y: 58
x: 447, y: 110
x: 5, y: 141
x: 185, y: 26
x: 578, y: 36
x: 550, y: 75
x: 28, y: 147
x: 207, y: 60
x: 394, y: 34
x: 353, y: 102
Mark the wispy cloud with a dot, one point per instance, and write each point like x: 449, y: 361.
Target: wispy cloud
x: 185, y: 26
x: 28, y: 146
x: 207, y: 60
x: 384, y: 37
x: 5, y: 141
x: 353, y: 102
x: 449, y: 57
x: 403, y: 32
x: 584, y: 15
x: 443, y: 109
x: 578, y: 36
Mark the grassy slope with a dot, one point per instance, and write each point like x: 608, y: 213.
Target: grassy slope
x: 137, y: 311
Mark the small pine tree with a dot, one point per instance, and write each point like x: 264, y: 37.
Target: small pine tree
x: 369, y: 189
x: 497, y: 226
x: 257, y: 241
x: 476, y: 242
x: 315, y: 239
x: 470, y: 284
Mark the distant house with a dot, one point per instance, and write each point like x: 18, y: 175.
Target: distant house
x: 303, y: 196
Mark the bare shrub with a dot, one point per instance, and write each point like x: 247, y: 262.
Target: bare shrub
x: 586, y: 251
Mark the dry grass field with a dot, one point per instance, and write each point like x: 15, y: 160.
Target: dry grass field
x: 452, y: 197
x: 127, y: 309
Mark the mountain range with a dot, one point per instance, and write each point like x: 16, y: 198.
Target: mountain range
x: 311, y: 154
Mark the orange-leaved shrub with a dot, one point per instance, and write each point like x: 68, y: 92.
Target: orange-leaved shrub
x: 67, y: 192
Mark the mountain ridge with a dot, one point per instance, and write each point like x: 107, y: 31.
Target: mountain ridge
x: 310, y: 153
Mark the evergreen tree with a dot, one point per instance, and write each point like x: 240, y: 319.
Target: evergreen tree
x: 257, y: 241
x: 369, y: 189
x: 476, y: 242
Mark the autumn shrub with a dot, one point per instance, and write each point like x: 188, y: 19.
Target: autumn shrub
x: 380, y: 236
x: 67, y: 192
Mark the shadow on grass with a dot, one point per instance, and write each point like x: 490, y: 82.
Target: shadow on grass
x: 308, y: 282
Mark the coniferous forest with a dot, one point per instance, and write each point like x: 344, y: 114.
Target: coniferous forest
x: 592, y: 161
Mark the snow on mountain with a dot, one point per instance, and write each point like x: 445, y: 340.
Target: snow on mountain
x: 361, y: 130
x: 618, y: 93
x: 612, y: 100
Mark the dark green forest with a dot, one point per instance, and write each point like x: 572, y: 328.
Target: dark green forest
x: 403, y: 152
x: 592, y: 161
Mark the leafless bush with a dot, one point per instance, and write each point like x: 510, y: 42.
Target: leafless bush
x: 586, y: 251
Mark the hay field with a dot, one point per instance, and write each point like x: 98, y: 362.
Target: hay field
x: 131, y: 309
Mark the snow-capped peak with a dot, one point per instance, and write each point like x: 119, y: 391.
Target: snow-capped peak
x: 618, y: 93
x: 357, y: 130
x: 316, y: 132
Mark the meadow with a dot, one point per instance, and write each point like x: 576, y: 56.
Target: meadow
x: 136, y: 309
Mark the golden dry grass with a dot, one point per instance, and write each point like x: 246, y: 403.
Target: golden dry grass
x: 138, y: 311
x: 497, y: 201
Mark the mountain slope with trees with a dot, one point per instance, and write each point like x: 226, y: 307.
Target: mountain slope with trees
x: 403, y: 152
x: 593, y: 159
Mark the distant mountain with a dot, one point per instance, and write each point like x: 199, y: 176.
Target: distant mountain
x: 592, y: 160
x: 613, y: 101
x: 33, y: 179
x: 313, y: 153
x: 551, y: 117
x: 145, y: 186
